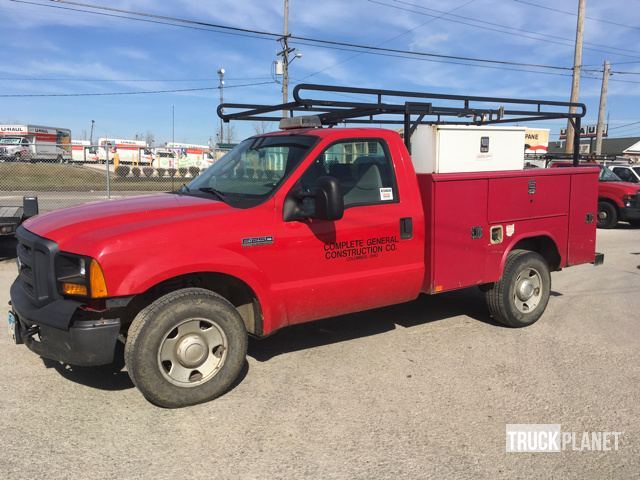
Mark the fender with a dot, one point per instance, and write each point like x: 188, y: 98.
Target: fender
x: 150, y: 269
x: 524, y: 236
x: 611, y: 198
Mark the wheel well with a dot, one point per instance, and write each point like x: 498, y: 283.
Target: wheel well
x: 609, y: 201
x: 544, y: 246
x: 234, y: 290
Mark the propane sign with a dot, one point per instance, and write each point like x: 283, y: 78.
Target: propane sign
x: 536, y: 140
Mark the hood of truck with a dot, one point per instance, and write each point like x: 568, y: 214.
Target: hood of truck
x: 619, y: 188
x: 82, y: 228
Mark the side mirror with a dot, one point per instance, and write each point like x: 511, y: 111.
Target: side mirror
x: 329, y: 201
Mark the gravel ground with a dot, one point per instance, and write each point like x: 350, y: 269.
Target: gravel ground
x: 417, y: 390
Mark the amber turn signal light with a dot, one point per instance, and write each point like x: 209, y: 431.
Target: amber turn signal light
x: 96, y: 281
x: 74, y: 289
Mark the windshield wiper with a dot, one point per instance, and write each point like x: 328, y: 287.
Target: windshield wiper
x: 215, y: 192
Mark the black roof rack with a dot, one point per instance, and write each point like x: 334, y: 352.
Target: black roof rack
x: 410, y: 109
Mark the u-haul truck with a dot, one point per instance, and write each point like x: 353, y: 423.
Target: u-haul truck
x: 135, y: 152
x: 83, y: 152
x: 191, y: 155
x: 22, y: 143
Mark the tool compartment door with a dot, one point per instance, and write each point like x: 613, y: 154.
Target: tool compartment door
x: 460, y: 234
x: 583, y: 218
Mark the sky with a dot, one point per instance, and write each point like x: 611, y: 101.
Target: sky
x: 48, y: 51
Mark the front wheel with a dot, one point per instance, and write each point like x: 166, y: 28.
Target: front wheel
x: 607, y: 215
x: 520, y: 297
x: 187, y: 347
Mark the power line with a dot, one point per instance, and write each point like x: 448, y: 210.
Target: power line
x: 261, y: 35
x: 145, y: 92
x: 451, y: 62
x: 522, y: 33
x: 567, y: 12
x: 165, y: 17
x: 425, y: 54
x: 141, y: 80
x: 625, y: 125
x: 146, y: 20
x: 351, y: 57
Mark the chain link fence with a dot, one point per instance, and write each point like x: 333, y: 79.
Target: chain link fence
x: 63, y: 175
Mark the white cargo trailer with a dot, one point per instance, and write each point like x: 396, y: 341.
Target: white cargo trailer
x: 462, y: 148
x: 135, y: 152
x: 83, y: 152
x: 191, y: 155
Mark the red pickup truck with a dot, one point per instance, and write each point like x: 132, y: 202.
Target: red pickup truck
x: 337, y: 221
x: 617, y: 199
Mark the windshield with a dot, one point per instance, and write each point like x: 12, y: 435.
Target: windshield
x: 10, y: 141
x: 607, y: 175
x: 254, y: 168
x: 636, y: 169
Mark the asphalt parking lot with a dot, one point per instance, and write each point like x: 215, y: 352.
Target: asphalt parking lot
x: 412, y: 391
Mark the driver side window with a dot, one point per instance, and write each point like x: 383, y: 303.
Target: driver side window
x: 625, y: 174
x: 363, y: 169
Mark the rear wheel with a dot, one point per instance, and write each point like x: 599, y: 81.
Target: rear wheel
x: 607, y: 215
x: 187, y: 347
x: 520, y: 297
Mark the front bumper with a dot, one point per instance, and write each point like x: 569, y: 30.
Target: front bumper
x: 82, y: 343
x: 630, y: 213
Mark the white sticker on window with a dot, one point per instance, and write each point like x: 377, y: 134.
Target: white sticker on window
x: 386, y: 193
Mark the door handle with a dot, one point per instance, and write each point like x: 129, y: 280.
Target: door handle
x: 406, y: 228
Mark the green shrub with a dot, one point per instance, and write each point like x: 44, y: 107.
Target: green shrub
x: 135, y: 171
x: 122, y: 171
x: 182, y: 171
x: 171, y: 172
x: 148, y: 171
x: 161, y: 171
x: 194, y: 171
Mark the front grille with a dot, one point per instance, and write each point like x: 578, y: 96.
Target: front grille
x: 35, y: 266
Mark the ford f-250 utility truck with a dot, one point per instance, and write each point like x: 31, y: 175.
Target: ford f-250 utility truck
x: 294, y: 226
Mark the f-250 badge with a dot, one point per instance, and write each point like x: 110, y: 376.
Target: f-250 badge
x: 257, y: 241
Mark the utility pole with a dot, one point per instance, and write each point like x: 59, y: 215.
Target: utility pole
x: 285, y: 57
x: 603, y: 105
x: 221, y: 88
x: 173, y: 123
x: 93, y: 122
x: 575, y: 84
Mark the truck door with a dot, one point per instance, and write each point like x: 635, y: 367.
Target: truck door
x: 367, y: 259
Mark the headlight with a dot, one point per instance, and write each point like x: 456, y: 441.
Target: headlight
x: 80, y: 276
x: 628, y: 199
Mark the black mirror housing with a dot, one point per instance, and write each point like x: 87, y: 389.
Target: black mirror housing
x: 329, y: 201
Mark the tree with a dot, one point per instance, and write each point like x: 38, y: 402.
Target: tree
x: 150, y: 138
x: 231, y: 133
x: 260, y: 128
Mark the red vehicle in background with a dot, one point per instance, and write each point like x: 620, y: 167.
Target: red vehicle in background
x: 295, y: 226
x: 617, y: 199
